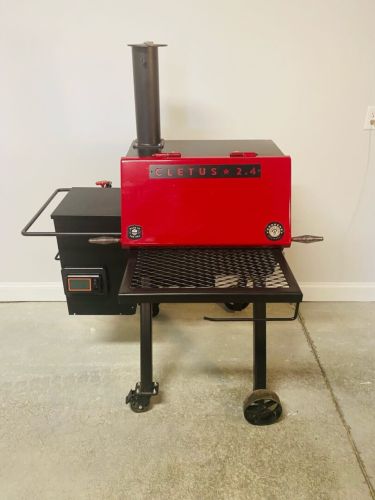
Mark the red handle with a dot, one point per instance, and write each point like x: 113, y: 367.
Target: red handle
x: 247, y: 154
x: 104, y: 184
x: 165, y: 156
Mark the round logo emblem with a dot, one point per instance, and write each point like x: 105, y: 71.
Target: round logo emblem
x: 274, y: 231
x: 134, y: 232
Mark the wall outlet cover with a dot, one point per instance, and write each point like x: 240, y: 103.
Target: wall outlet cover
x: 370, y: 118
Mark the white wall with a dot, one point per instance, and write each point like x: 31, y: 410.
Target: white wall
x: 299, y: 72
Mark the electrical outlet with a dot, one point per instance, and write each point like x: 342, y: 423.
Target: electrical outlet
x: 370, y: 118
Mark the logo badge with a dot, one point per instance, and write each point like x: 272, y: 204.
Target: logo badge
x: 274, y: 231
x: 134, y: 232
x: 232, y: 171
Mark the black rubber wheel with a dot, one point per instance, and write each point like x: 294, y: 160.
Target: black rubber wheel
x: 236, y: 306
x: 139, y: 406
x: 155, y: 310
x: 262, y: 407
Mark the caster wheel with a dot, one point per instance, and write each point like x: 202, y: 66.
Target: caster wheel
x: 236, y: 306
x: 139, y: 406
x: 262, y: 407
x: 140, y: 401
x: 155, y: 310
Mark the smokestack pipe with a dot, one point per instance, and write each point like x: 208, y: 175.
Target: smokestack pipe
x: 146, y: 95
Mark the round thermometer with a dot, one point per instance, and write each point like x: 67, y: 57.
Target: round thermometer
x: 274, y: 231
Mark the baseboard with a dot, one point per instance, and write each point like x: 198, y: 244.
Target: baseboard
x: 338, y: 292
x: 32, y: 292
x: 314, y: 292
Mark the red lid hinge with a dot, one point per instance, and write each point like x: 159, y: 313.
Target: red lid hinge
x: 242, y: 154
x: 165, y: 156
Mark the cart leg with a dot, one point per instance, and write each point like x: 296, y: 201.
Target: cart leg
x: 146, y: 383
x: 139, y: 398
x: 261, y: 407
x: 259, y: 346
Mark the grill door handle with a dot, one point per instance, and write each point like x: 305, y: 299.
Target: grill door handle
x: 307, y: 238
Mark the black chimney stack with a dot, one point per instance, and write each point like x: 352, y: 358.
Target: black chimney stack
x: 146, y: 96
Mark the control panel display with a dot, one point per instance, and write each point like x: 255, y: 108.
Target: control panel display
x: 78, y: 284
x: 84, y: 281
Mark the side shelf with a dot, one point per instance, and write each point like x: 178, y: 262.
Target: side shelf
x: 208, y: 275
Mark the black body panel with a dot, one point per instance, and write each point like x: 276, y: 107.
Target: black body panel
x: 97, y: 210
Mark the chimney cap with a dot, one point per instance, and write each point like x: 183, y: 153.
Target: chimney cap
x: 147, y: 44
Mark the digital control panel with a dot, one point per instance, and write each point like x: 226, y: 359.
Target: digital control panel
x: 84, y: 281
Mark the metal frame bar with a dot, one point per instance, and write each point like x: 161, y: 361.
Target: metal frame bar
x: 259, y: 346
x: 146, y: 383
x: 139, y: 398
x: 25, y: 231
x: 290, y: 318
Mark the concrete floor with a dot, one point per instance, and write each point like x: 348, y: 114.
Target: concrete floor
x: 65, y: 432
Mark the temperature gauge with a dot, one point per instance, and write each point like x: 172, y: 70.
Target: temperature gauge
x: 274, y: 231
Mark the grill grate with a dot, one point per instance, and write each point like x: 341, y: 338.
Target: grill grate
x: 220, y: 268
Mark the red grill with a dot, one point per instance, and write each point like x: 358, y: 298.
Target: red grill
x: 199, y: 221
x: 206, y: 200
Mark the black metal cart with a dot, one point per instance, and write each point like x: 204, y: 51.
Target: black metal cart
x: 188, y: 275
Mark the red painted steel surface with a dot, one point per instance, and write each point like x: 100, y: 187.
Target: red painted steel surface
x: 204, y: 210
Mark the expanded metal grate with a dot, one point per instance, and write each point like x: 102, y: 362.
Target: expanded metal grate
x: 247, y: 268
